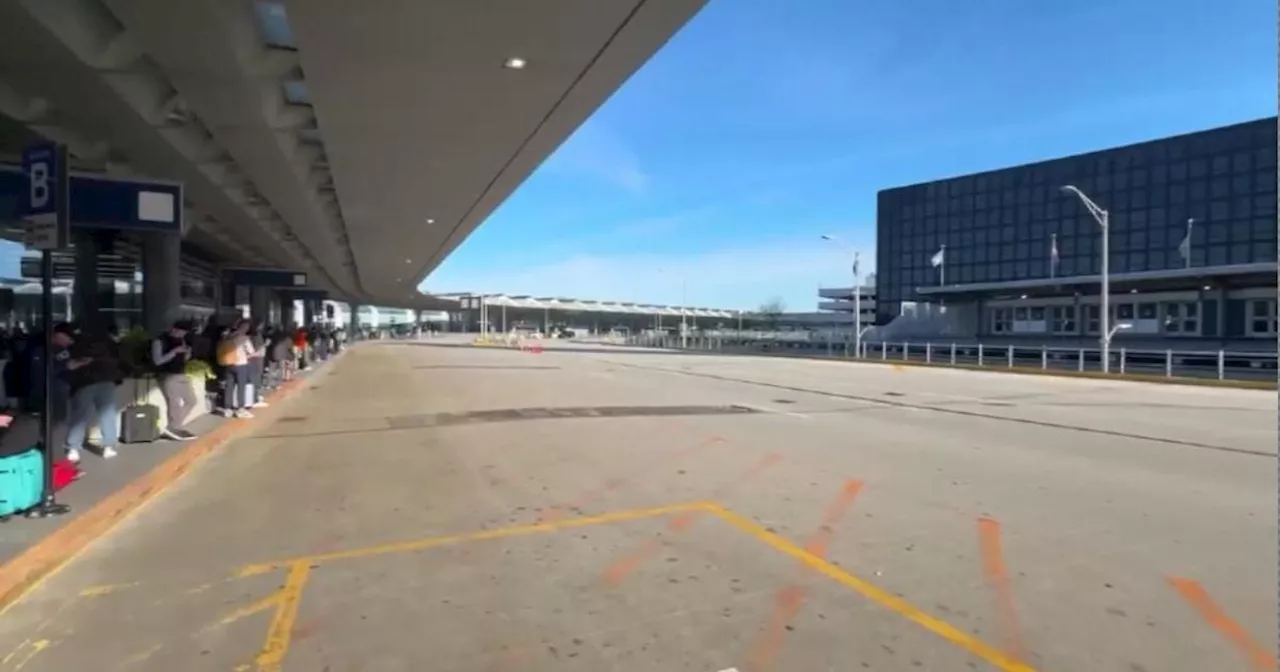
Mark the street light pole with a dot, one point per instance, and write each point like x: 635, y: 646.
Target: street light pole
x: 684, y: 313
x: 1104, y: 320
x: 857, y: 296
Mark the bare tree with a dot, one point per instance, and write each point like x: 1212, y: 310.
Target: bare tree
x: 771, y: 312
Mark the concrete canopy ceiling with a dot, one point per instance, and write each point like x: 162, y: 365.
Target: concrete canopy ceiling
x: 361, y: 142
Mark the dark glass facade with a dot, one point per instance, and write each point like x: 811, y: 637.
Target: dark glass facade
x: 999, y: 225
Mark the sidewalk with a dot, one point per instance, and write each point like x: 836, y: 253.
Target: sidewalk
x: 110, y: 490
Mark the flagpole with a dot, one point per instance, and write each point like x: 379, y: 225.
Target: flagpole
x: 1053, y: 256
x: 942, y: 267
x: 1187, y: 257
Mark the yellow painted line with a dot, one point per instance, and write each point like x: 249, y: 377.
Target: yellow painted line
x: 107, y: 589
x: 139, y: 657
x: 272, y: 600
x: 498, y: 533
x: 32, y: 651
x: 977, y: 647
x: 290, y: 598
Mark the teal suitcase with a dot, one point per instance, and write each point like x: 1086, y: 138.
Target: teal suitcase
x: 21, y: 482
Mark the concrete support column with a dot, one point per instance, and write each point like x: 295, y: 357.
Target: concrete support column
x: 86, y: 295
x: 354, y: 318
x: 161, y: 279
x: 308, y: 312
x: 287, y: 317
x: 259, y: 309
x: 1220, y: 293
x: 227, y: 294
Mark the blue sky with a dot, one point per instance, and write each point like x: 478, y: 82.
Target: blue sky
x: 763, y: 124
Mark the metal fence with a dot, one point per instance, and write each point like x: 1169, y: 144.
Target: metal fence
x: 1199, y: 364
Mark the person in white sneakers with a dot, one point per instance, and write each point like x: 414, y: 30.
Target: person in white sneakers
x: 233, y: 355
x: 169, y: 355
x: 94, y: 371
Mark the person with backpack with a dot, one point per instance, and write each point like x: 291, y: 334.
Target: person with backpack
x: 168, y: 356
x: 234, y: 350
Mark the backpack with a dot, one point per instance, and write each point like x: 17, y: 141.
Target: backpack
x: 227, y: 352
x: 141, y: 357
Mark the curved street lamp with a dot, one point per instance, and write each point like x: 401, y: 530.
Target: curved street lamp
x: 1103, y: 218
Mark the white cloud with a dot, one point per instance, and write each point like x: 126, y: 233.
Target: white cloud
x: 598, y: 152
x: 741, y: 277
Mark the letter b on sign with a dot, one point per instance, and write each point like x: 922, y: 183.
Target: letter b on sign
x: 41, y: 194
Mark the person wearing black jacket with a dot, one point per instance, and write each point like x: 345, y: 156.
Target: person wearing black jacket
x: 93, y: 371
x: 169, y: 355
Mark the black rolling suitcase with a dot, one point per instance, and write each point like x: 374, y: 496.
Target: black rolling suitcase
x: 140, y: 421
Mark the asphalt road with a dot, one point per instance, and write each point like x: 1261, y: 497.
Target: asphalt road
x: 444, y: 507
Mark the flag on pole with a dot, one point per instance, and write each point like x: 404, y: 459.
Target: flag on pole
x: 939, y: 262
x: 1184, y: 248
x: 1053, y: 256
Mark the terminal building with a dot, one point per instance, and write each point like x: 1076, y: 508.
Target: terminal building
x: 1009, y: 255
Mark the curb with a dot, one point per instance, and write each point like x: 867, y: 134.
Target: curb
x: 46, y: 557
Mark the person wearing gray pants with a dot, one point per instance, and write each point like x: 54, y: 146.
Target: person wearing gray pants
x: 169, y: 355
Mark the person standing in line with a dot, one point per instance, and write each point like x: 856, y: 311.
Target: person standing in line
x: 233, y: 355
x: 257, y: 366
x: 93, y: 372
x: 170, y: 353
x: 300, y: 344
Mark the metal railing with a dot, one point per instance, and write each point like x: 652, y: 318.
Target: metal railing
x: 1168, y: 363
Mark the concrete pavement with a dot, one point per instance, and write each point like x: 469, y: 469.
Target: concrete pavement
x: 443, y: 507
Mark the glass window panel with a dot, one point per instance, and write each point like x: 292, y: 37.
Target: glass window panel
x: 1240, y: 254
x: 1220, y: 187
x: 1217, y: 255
x: 1240, y: 162
x: 1216, y: 231
x: 1239, y: 230
x: 1265, y: 181
x: 1263, y: 253
x: 1147, y: 311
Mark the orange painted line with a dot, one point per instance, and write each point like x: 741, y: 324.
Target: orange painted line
x: 45, y: 557
x: 558, y: 512
x: 997, y: 575
x: 1260, y: 659
x: 790, y: 599
x: 625, y: 566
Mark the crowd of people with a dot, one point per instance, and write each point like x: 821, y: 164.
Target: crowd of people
x: 241, y: 362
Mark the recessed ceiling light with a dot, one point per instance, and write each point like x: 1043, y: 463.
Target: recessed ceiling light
x: 515, y: 63
x: 408, y: 261
x: 431, y: 221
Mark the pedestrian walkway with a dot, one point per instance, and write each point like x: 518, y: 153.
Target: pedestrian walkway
x: 108, y: 492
